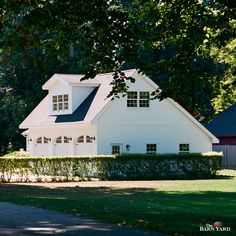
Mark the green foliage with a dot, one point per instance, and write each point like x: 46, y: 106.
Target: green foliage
x: 162, y: 166
x: 133, y: 166
x: 177, y: 207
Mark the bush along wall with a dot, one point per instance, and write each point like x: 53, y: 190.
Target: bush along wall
x: 110, y: 167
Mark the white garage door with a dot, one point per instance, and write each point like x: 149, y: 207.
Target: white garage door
x: 62, y: 146
x: 85, y: 145
x: 42, y: 146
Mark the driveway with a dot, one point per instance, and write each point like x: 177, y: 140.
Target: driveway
x: 23, y: 220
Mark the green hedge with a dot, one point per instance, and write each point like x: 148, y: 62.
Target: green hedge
x: 121, y: 167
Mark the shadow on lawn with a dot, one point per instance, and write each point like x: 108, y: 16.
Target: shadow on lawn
x: 164, y: 211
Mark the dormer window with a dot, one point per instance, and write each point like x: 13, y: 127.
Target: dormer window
x: 60, y: 102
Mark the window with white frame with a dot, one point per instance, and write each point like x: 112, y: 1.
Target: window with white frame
x: 80, y: 139
x: 183, y: 147
x: 115, y: 149
x: 132, y: 99
x: 89, y: 139
x: 45, y: 140
x: 40, y: 140
x: 63, y: 139
x: 66, y: 139
x: 151, y: 148
x: 60, y: 102
x: 138, y: 99
x: 144, y: 99
x: 59, y: 139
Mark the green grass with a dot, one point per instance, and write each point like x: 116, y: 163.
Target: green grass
x: 180, y: 206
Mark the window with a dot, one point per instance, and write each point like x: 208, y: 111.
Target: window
x: 151, y: 148
x: 58, y: 140
x: 66, y: 139
x: 143, y: 99
x: 135, y: 99
x: 184, y: 147
x: 39, y: 140
x: 45, y: 140
x: 88, y: 139
x: 60, y: 102
x: 80, y: 139
x: 132, y: 99
x: 63, y: 139
x: 42, y: 140
x: 115, y: 149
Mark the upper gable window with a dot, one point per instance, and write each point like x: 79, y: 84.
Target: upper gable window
x: 143, y: 99
x: 132, y: 99
x: 135, y: 99
x: 60, y: 102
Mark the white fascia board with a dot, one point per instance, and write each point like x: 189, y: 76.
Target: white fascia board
x: 55, y: 124
x: 197, y: 123
x: 25, y: 133
x: 79, y: 84
x: 52, y: 81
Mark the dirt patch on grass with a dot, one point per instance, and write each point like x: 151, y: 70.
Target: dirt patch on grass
x: 107, y: 184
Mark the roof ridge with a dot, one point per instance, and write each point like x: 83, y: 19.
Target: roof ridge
x: 107, y: 73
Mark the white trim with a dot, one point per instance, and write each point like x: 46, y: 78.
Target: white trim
x: 25, y: 133
x: 151, y: 143
x: 116, y: 144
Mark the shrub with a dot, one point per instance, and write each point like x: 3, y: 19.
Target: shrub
x: 163, y: 166
x: 121, y: 167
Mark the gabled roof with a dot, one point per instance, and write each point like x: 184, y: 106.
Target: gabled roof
x: 93, y: 106
x: 75, y: 79
x: 86, y: 112
x: 224, y: 123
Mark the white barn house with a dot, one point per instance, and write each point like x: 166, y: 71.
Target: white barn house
x: 77, y: 118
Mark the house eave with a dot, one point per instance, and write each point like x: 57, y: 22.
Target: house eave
x: 54, y: 124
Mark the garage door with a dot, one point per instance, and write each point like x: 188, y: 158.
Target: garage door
x: 62, y: 146
x: 85, y: 145
x: 42, y: 146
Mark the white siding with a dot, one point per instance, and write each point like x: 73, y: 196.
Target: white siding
x: 71, y: 149
x: 79, y: 94
x: 58, y: 89
x: 162, y: 123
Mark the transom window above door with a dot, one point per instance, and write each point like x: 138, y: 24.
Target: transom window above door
x: 60, y: 102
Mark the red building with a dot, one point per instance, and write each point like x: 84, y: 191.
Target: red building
x: 224, y: 126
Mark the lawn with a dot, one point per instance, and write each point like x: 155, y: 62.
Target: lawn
x: 175, y: 207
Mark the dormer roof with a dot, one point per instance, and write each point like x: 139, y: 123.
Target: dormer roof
x: 85, y: 112
x: 75, y: 79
